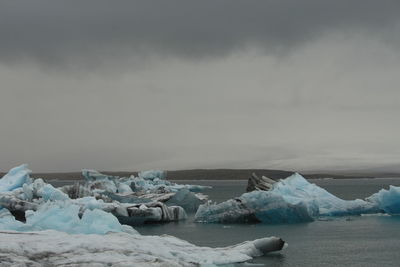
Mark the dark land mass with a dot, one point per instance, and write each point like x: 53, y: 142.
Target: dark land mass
x: 221, y: 174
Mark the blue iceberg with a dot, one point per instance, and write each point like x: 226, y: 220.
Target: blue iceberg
x: 21, y: 198
x: 148, y: 186
x: 15, y: 178
x: 65, y: 217
x: 293, y: 200
x: 387, y: 200
x: 153, y: 174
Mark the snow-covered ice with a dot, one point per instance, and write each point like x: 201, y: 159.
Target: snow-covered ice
x: 53, y: 248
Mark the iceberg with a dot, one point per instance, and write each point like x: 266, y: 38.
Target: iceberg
x: 153, y: 174
x: 63, y: 217
x: 15, y: 178
x: 293, y: 200
x: 31, y: 196
x: 149, y: 186
x: 145, y: 181
x: 189, y: 201
x: 387, y: 200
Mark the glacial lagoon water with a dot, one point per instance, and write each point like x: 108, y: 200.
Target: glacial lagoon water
x: 345, y: 241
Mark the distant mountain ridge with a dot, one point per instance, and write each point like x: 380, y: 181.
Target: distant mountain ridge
x: 226, y: 174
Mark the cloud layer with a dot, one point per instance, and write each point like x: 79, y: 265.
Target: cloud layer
x: 128, y: 85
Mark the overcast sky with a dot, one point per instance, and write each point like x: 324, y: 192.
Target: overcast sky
x: 129, y: 85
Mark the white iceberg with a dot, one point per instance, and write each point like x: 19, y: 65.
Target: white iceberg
x: 292, y: 200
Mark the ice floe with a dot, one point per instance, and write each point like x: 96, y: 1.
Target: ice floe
x: 54, y: 248
x: 292, y: 200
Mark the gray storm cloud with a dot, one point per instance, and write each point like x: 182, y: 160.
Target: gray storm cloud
x: 65, y: 31
x: 127, y: 85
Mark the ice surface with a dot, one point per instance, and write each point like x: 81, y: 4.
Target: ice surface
x: 387, y: 200
x: 62, y: 216
x: 53, y: 248
x: 147, y: 181
x: 295, y: 189
x: 93, y: 175
x: 186, y: 199
x: 149, y: 186
x: 33, y: 196
x: 15, y: 178
x: 291, y: 200
x: 152, y: 174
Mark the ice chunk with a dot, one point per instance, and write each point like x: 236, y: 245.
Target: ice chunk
x: 15, y: 178
x: 152, y: 174
x: 122, y: 249
x: 186, y: 199
x: 124, y: 188
x: 295, y: 189
x: 291, y: 200
x: 63, y: 216
x: 387, y: 200
x: 93, y: 175
x: 48, y: 192
x: 256, y: 206
x: 152, y: 212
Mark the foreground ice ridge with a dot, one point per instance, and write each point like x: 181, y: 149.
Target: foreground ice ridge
x: 293, y: 200
x: 53, y: 248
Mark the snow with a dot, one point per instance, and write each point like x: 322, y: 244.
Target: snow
x: 53, y: 248
x: 15, y: 178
